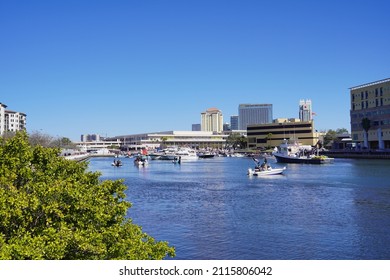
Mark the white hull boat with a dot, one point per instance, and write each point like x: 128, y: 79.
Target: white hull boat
x: 186, y: 154
x: 265, y: 172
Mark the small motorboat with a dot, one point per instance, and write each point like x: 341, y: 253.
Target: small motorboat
x: 141, y: 161
x: 265, y: 172
x: 117, y: 163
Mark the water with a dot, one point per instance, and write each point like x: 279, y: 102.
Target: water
x: 210, y: 209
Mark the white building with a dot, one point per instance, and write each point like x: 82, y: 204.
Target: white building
x: 212, y: 120
x: 15, y: 121
x: 2, y: 118
x: 11, y: 120
x: 96, y: 146
x: 194, y: 139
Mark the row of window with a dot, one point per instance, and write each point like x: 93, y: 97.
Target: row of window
x: 370, y: 114
x: 364, y: 94
x: 357, y: 126
x: 365, y: 104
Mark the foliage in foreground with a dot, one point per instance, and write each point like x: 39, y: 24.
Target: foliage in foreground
x: 52, y: 208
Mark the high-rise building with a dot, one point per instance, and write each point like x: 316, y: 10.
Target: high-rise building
x: 11, y: 120
x: 234, y: 122
x: 370, y: 114
x: 196, y: 127
x: 90, y: 137
x: 212, y: 120
x: 305, y: 110
x: 249, y: 114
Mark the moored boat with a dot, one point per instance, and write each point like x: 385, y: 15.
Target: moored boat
x: 206, y: 155
x: 186, y: 154
x: 292, y: 152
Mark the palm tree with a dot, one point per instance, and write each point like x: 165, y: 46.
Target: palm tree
x: 366, y: 124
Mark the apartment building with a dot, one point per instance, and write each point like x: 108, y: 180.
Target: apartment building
x: 370, y: 104
x: 11, y: 120
x: 212, y: 120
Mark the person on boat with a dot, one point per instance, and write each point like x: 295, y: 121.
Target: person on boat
x: 264, y: 165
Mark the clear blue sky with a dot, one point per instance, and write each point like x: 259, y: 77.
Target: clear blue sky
x: 121, y: 67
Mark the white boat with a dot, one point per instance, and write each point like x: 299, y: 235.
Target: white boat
x: 168, y: 153
x: 265, y: 172
x: 292, y: 152
x: 186, y: 154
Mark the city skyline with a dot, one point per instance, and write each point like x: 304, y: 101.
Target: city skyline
x: 114, y: 68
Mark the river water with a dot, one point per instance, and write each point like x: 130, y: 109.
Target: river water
x: 211, y: 210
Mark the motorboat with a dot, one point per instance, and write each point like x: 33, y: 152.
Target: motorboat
x: 266, y: 171
x: 186, y: 154
x: 117, y: 163
x: 141, y: 161
x: 168, y: 153
x: 293, y: 152
x: 206, y: 155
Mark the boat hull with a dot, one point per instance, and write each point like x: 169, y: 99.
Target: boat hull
x: 269, y: 172
x: 314, y: 160
x: 206, y: 155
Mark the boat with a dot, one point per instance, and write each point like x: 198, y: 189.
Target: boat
x: 264, y: 169
x: 168, y: 153
x: 117, y: 163
x: 293, y: 152
x: 206, y: 155
x: 141, y: 161
x: 177, y: 160
x: 265, y: 172
x: 186, y: 154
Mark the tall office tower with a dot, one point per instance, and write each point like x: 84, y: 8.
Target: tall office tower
x: 254, y: 114
x: 212, y: 120
x: 90, y: 137
x: 234, y: 122
x: 305, y: 112
x: 196, y: 127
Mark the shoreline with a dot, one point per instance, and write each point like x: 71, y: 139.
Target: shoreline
x: 357, y: 154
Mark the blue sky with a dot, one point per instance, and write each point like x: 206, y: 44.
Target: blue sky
x: 122, y: 67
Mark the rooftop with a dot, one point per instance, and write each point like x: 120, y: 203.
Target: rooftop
x: 371, y: 84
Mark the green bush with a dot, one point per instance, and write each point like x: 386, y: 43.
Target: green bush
x: 52, y: 208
